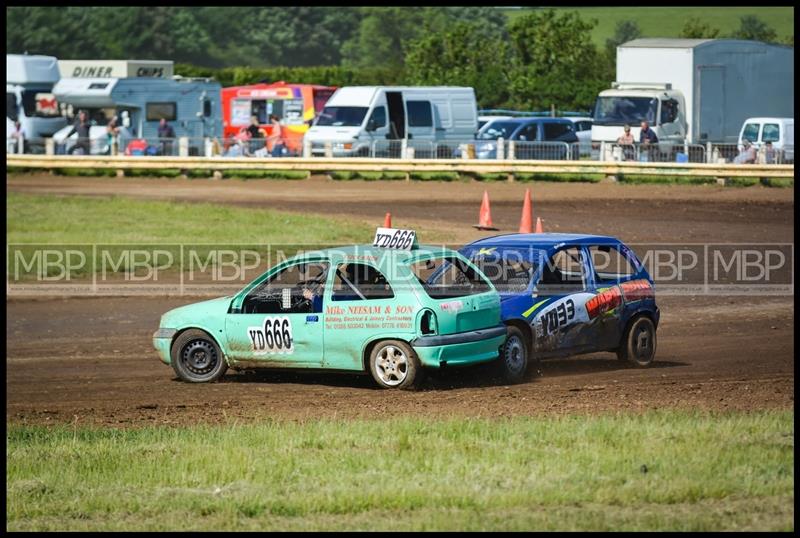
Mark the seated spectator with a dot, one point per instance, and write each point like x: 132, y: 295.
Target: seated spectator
x: 769, y: 153
x: 748, y: 154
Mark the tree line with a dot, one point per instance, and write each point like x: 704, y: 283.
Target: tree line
x: 541, y: 59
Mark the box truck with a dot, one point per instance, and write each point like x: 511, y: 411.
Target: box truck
x: 695, y: 90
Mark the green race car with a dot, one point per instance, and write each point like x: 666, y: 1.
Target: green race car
x: 390, y: 311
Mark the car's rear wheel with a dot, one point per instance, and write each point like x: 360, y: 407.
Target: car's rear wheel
x: 513, y: 362
x: 196, y: 357
x: 638, y: 346
x: 394, y: 365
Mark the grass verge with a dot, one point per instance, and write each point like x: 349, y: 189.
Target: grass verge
x: 657, y: 471
x: 75, y: 220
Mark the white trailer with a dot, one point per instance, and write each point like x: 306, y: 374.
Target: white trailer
x: 695, y: 90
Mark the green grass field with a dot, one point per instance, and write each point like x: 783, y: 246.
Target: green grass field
x: 657, y: 471
x: 74, y: 220
x: 669, y: 21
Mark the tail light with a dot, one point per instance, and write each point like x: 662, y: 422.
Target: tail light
x: 428, y: 323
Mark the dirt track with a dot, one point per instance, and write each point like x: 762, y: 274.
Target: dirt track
x: 90, y: 360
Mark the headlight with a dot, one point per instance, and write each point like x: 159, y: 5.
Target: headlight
x: 341, y: 146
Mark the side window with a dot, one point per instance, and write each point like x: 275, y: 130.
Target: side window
x: 419, y: 114
x: 563, y: 273
x: 378, y: 117
x: 669, y: 111
x: 750, y: 132
x: 359, y: 282
x: 156, y: 111
x: 771, y: 132
x: 552, y: 131
x: 529, y: 133
x: 610, y: 265
x: 297, y: 289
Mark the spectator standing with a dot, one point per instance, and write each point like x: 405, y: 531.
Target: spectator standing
x: 275, y: 144
x: 112, y: 134
x: 769, y: 153
x: 166, y: 136
x: 626, y: 141
x: 16, y: 144
x: 648, y: 141
x: 256, y: 134
x: 83, y: 128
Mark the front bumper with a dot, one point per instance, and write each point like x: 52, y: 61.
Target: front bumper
x: 461, y: 348
x: 162, y: 341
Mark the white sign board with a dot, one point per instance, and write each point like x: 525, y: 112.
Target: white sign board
x: 116, y: 68
x: 394, y: 238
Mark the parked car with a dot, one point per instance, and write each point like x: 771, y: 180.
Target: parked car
x: 778, y: 131
x: 483, y: 120
x: 566, y: 294
x: 583, y: 130
x: 535, y: 138
x: 387, y: 311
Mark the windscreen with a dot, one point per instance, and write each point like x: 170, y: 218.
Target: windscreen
x: 621, y: 110
x: 448, y: 276
x: 497, y: 129
x: 509, y: 270
x: 342, y: 116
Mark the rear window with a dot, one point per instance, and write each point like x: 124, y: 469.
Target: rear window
x: 448, y: 276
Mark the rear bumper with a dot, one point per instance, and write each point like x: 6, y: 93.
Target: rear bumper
x: 461, y: 348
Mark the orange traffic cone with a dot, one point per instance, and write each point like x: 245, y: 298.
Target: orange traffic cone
x: 525, y: 222
x: 387, y: 220
x: 485, y: 216
x: 538, y: 226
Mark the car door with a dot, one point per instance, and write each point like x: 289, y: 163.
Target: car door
x: 610, y: 271
x: 360, y: 304
x: 421, y: 134
x: 377, y: 129
x: 561, y: 322
x: 280, y: 321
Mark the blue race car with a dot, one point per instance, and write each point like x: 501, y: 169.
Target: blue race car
x: 567, y: 294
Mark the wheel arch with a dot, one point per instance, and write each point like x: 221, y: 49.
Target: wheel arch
x: 206, y: 330
x: 370, y: 345
x: 525, y: 328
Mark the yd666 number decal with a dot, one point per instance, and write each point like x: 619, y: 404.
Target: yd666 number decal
x: 275, y: 336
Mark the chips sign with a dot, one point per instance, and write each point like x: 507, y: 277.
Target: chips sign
x: 394, y: 238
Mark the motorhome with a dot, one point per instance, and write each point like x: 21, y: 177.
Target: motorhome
x: 30, y: 99
x: 694, y: 91
x: 139, y: 95
x: 371, y: 120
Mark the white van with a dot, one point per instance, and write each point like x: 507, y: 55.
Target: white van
x: 779, y: 131
x: 374, y: 120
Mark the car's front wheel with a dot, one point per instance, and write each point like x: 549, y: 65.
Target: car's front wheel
x: 638, y: 346
x: 196, y: 357
x: 513, y: 362
x: 394, y: 365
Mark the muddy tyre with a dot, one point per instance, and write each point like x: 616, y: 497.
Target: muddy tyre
x: 638, y: 346
x: 394, y: 365
x: 512, y: 366
x: 196, y: 357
